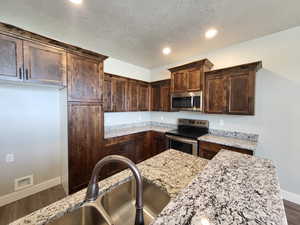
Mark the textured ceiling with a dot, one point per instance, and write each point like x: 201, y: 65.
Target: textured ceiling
x: 136, y: 30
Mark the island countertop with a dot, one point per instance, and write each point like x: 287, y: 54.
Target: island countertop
x: 171, y: 170
x: 231, y: 189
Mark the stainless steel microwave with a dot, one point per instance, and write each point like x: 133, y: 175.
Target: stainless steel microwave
x: 188, y: 101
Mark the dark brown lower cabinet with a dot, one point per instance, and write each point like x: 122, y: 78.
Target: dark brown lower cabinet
x: 208, y: 150
x: 137, y: 147
x: 85, y: 135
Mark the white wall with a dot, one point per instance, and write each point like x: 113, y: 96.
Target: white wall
x: 277, y: 118
x: 30, y: 129
x: 121, y: 68
x: 125, y: 69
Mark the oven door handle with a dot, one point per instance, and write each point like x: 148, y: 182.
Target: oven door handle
x: 184, y: 140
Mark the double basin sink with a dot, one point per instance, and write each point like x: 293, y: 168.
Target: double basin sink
x: 117, y: 207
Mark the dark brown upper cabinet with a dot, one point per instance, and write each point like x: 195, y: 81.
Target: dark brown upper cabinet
x: 44, y: 64
x: 11, y: 58
x: 119, y: 94
x: 85, y: 78
x: 189, y: 77
x: 216, y: 94
x: 115, y: 93
x: 132, y: 98
x: 231, y: 90
x: 31, y: 62
x: 144, y: 96
x: 160, y: 95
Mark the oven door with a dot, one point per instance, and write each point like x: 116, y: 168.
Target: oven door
x: 183, y: 144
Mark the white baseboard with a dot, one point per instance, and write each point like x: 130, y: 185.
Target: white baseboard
x: 12, y: 197
x: 292, y: 197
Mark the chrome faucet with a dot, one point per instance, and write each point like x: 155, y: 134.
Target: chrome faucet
x: 93, y: 188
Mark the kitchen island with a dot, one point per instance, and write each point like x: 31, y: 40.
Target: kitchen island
x: 230, y: 189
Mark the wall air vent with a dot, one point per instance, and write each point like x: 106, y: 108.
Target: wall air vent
x: 23, y: 182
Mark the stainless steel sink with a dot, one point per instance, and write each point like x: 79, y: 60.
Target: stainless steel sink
x: 86, y: 215
x: 119, y: 204
x: 117, y: 207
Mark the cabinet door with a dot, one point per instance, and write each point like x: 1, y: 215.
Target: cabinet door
x: 44, y: 64
x: 155, y: 98
x: 126, y: 149
x: 144, y: 97
x: 194, y: 80
x: 165, y: 104
x: 241, y: 90
x: 215, y: 94
x: 159, y: 143
x: 132, y: 102
x: 85, y: 135
x: 119, y: 93
x: 179, y: 81
x: 143, y: 146
x: 107, y: 94
x: 85, y: 79
x: 11, y: 58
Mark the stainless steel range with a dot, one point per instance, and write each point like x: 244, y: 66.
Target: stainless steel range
x: 184, y: 138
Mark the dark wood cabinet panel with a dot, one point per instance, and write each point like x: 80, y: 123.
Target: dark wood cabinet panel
x: 165, y: 101
x: 215, y: 94
x: 11, y: 58
x: 208, y: 150
x: 107, y: 94
x: 126, y: 149
x: 155, y: 98
x: 189, y: 77
x: 159, y: 142
x: 241, y: 91
x: 143, y: 149
x: 44, y: 64
x: 144, y: 97
x: 179, y: 81
x: 194, y: 80
x: 133, y: 89
x: 160, y: 95
x: 119, y: 94
x: 85, y: 79
x: 231, y: 90
x: 85, y: 134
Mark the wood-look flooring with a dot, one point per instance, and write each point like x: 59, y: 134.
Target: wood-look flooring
x: 25, y: 206
x: 292, y: 211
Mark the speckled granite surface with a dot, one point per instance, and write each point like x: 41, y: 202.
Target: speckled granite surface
x: 229, y: 141
x: 171, y: 170
x: 234, y: 189
x: 125, y: 129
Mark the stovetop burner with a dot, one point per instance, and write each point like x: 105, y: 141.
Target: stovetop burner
x: 190, y: 128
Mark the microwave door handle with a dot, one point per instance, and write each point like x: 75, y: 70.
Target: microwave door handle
x: 192, y: 102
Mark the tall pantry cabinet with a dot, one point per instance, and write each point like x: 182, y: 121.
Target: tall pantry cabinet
x: 85, y: 117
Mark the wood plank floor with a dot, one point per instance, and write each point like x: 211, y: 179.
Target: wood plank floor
x: 23, y: 207
x: 292, y: 211
x: 34, y: 202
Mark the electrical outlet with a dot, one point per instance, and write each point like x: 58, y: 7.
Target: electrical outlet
x: 10, y: 158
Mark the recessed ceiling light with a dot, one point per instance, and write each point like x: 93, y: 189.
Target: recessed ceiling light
x: 166, y: 50
x: 211, y: 33
x: 76, y: 1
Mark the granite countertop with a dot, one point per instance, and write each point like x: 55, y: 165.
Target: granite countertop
x: 233, y: 139
x: 233, y: 189
x: 126, y: 129
x: 171, y: 170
